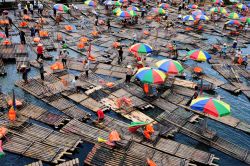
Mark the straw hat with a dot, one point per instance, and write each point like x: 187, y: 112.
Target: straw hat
x: 23, y: 66
x: 129, y: 66
x: 40, y: 44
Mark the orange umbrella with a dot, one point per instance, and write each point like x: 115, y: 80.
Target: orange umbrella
x: 84, y: 40
x: 114, y: 136
x: 116, y: 44
x: 12, y: 114
x: 3, y: 132
x: 57, y: 66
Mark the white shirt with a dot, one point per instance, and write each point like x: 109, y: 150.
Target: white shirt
x: 40, y: 6
x: 86, y: 67
x: 19, y: 6
x: 31, y: 7
x: 238, y: 53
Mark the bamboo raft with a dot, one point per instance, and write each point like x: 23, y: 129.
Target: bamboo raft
x: 73, y: 162
x: 196, y: 132
x: 38, y: 163
x: 42, y: 115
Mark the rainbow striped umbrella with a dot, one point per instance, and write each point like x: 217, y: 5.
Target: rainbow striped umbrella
x: 90, y: 3
x: 233, y: 22
x: 132, y: 13
x: 199, y: 55
x: 202, y: 17
x: 198, y: 12
x: 218, y: 10
x: 245, y: 19
x: 117, y: 3
x: 188, y: 18
x: 61, y: 7
x: 234, y: 16
x: 122, y: 1
x: 210, y: 106
x: 117, y: 10
x: 2, y: 36
x: 159, y: 11
x: 242, y: 6
x: 150, y: 76
x: 133, y: 8
x: 123, y: 14
x: 141, y: 48
x: 217, y: 1
x: 192, y: 6
x: 234, y: 1
x: 164, y: 6
x: 170, y: 66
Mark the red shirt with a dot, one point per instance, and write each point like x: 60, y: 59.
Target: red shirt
x: 39, y: 50
x: 100, y: 114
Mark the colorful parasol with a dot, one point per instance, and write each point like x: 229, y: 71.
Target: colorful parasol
x: 150, y: 76
x: 123, y: 1
x: 133, y: 8
x: 234, y: 1
x: 132, y: 13
x: 170, y: 66
x: 123, y: 14
x: 218, y: 10
x: 234, y: 16
x: 108, y: 2
x: 2, y: 36
x: 245, y: 20
x: 188, y: 18
x: 199, y: 55
x: 164, y: 6
x: 90, y: 3
x: 1, y: 150
x: 141, y: 48
x: 202, y: 17
x: 159, y: 11
x: 117, y: 10
x: 217, y: 1
x: 242, y: 6
x: 192, y: 6
x: 233, y: 22
x: 117, y: 3
x: 61, y: 8
x: 210, y: 106
x: 134, y: 126
x: 198, y: 12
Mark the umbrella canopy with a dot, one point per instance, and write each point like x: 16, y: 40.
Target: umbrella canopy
x: 108, y: 2
x: 132, y: 13
x: 123, y: 14
x: 202, y: 17
x: 188, y: 18
x: 61, y: 7
x: 141, y: 48
x: 245, y: 20
x: 233, y: 22
x: 117, y: 3
x: 2, y: 36
x: 210, y: 106
x: 150, y: 76
x: 164, y: 6
x: 248, y: 5
x: 159, y: 11
x: 242, y: 6
x: 234, y: 1
x: 136, y: 125
x: 199, y: 55
x: 218, y: 10
x: 217, y: 1
x: 192, y: 6
x: 90, y: 3
x: 198, y: 12
x: 117, y: 10
x: 133, y: 8
x: 234, y: 16
x: 170, y: 66
x: 122, y: 1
